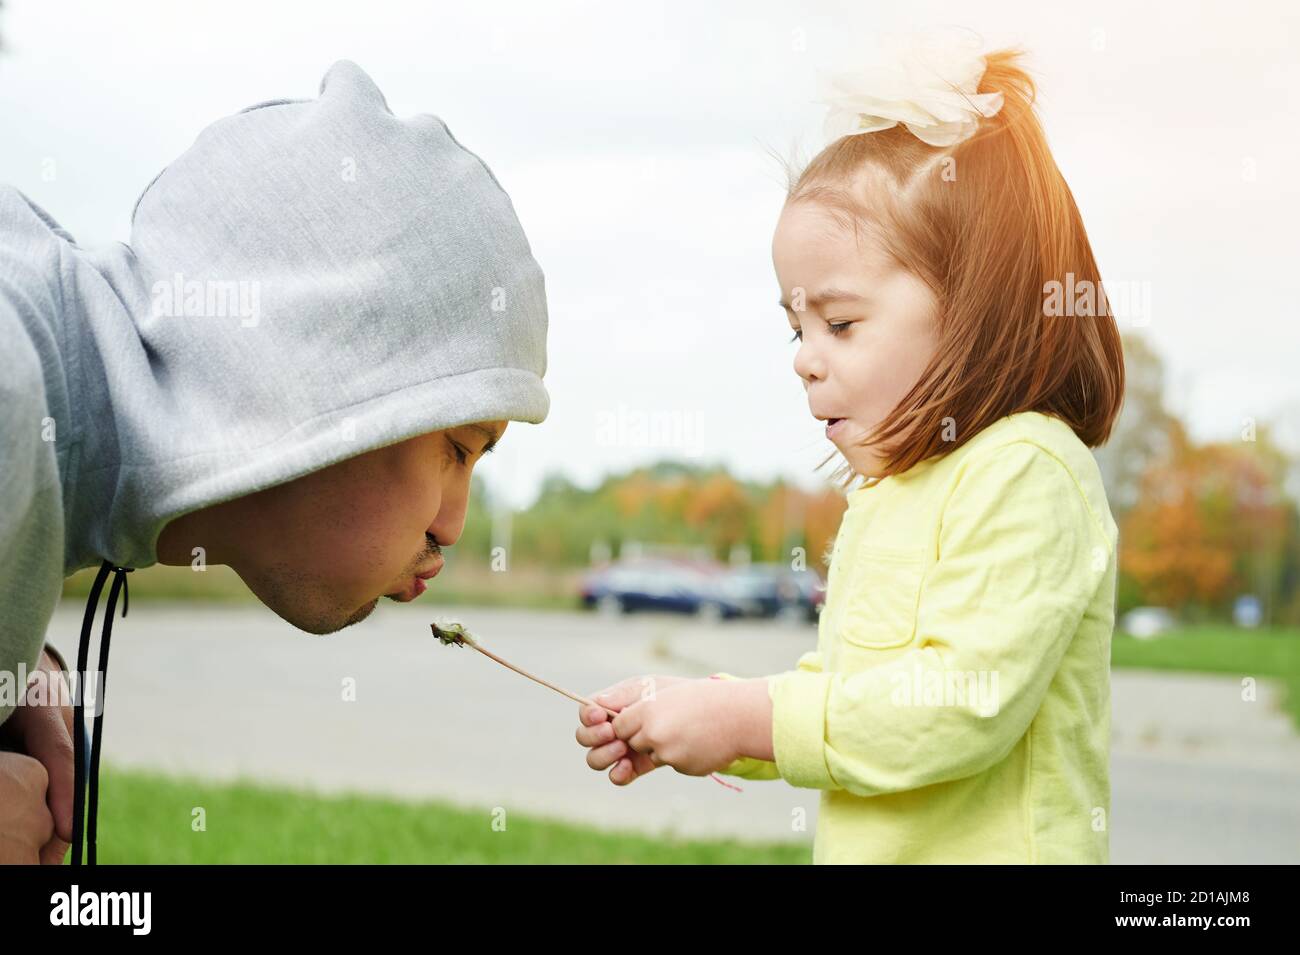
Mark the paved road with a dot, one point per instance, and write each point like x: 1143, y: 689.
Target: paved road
x: 223, y: 692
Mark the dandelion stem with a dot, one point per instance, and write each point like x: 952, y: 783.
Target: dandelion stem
x: 457, y: 634
x: 460, y: 636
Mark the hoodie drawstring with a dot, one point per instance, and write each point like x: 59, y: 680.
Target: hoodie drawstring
x: 79, y: 707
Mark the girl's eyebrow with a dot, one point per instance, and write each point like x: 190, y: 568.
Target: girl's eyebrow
x: 825, y: 297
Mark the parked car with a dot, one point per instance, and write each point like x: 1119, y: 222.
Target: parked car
x: 812, y: 590
x: 770, y: 590
x: 659, y: 585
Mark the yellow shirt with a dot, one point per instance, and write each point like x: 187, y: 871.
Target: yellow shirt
x: 957, y: 707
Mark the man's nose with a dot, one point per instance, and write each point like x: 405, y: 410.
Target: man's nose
x: 450, y: 522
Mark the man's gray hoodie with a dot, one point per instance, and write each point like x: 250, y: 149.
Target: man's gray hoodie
x: 311, y: 280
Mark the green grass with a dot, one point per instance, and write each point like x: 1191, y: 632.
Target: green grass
x: 1273, y: 653
x: 147, y: 818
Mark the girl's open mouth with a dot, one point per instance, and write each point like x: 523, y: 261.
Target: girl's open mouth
x: 833, y: 427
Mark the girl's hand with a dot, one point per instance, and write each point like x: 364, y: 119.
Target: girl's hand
x: 695, y: 726
x: 597, y: 730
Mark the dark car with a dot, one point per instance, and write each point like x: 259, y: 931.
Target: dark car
x: 658, y: 585
x: 771, y: 590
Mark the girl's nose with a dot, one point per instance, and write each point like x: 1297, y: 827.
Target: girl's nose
x: 807, y: 365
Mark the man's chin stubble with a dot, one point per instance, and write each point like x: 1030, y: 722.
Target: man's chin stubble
x: 365, y: 611
x: 325, y: 629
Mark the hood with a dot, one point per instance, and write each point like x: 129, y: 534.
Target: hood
x: 311, y: 280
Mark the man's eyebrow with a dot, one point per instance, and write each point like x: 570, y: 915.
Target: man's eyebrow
x: 825, y: 297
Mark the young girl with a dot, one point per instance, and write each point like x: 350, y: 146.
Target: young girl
x: 957, y: 707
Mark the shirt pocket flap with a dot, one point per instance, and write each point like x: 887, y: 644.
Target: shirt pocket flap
x: 880, y: 611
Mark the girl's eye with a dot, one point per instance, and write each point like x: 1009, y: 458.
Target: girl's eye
x: 461, y: 457
x: 835, y: 328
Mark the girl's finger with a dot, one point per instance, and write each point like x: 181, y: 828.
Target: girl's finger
x: 595, y: 735
x: 622, y: 773
x: 624, y: 694
x: 602, y: 757
x: 627, y: 770
x: 627, y: 723
x: 612, y: 690
x: 637, y: 741
x: 630, y: 768
x: 592, y: 715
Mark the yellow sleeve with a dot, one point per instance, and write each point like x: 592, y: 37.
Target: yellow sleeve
x: 1020, y: 556
x: 748, y: 767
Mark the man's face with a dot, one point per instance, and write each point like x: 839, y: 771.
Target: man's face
x: 321, y: 550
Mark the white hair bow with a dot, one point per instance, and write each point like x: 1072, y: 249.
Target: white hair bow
x: 929, y: 85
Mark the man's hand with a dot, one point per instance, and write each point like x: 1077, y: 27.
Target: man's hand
x: 40, y: 733
x: 26, y: 827
x: 597, y: 731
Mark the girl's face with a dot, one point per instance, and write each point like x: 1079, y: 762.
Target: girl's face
x: 866, y: 325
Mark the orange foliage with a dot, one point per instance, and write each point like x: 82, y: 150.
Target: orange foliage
x: 1210, y: 523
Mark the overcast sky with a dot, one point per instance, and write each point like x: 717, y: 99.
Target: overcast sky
x: 635, y: 144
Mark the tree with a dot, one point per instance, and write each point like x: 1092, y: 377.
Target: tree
x: 1144, y: 431
x: 1211, y: 522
